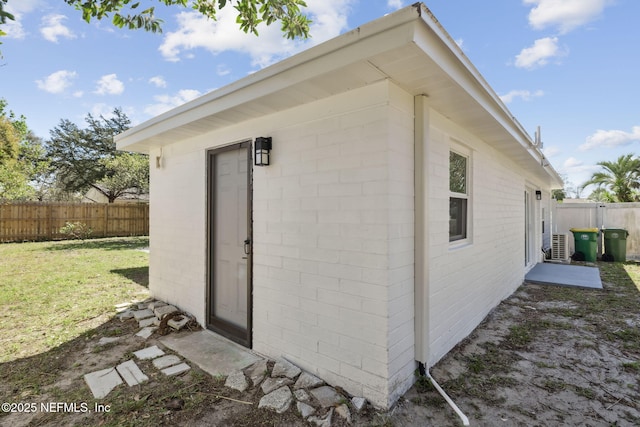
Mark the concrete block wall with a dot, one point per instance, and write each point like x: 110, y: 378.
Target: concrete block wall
x: 467, y: 280
x: 333, y: 258
x: 177, y: 228
x: 332, y: 230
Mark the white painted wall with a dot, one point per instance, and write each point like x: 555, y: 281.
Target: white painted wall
x: 466, y: 281
x: 333, y: 237
x: 333, y: 276
x: 177, y: 228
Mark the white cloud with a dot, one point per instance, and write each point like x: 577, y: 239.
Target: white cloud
x: 550, y: 152
x: 158, y: 81
x: 109, y: 85
x: 18, y: 9
x: 611, y: 138
x: 102, y: 109
x: 572, y: 162
x: 23, y: 6
x: 57, y: 82
x: 525, y: 95
x: 194, y: 31
x: 53, y: 28
x: 540, y: 53
x: 223, y: 70
x: 566, y: 15
x: 577, y: 168
x: 167, y: 102
x: 395, y: 4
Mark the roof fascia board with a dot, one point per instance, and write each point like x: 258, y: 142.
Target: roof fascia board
x: 388, y: 32
x: 469, y: 78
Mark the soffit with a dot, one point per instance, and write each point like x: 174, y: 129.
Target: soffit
x: 414, y: 53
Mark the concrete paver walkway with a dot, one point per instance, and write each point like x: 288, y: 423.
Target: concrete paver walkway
x: 565, y: 275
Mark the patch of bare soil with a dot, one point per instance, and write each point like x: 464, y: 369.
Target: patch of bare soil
x: 546, y: 356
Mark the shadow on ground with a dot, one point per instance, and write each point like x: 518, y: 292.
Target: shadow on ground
x: 140, y: 275
x: 116, y: 244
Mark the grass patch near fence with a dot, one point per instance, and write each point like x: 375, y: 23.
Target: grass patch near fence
x: 53, y: 292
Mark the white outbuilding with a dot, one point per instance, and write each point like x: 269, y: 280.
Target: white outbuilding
x: 358, y: 208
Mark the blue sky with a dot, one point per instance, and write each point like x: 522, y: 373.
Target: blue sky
x: 570, y: 66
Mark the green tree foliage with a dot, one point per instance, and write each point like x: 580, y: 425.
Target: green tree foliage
x: 126, y: 173
x: 601, y: 195
x: 22, y: 159
x: 250, y: 13
x: 621, y: 178
x: 84, y: 158
x: 9, y: 141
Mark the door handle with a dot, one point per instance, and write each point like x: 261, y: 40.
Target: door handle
x: 247, y: 246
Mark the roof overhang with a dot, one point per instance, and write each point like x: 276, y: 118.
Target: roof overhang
x: 408, y: 47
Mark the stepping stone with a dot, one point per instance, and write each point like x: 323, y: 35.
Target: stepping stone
x: 237, y: 381
x: 142, y: 314
x: 155, y: 304
x: 278, y: 400
x: 322, y: 422
x: 307, y: 380
x: 143, y: 305
x: 179, y: 322
x: 284, y: 368
x: 166, y: 361
x: 358, y: 403
x: 123, y: 305
x: 125, y: 315
x: 149, y: 353
x: 257, y: 372
x: 102, y: 382
x: 161, y: 312
x: 131, y: 373
x: 302, y: 395
x: 305, y: 410
x: 270, y: 384
x: 344, y: 412
x: 327, y: 396
x: 108, y: 340
x: 175, y: 370
x: 146, y: 322
x: 146, y: 332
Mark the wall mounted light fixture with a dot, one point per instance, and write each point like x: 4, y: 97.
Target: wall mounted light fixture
x: 262, y: 151
x: 538, y: 195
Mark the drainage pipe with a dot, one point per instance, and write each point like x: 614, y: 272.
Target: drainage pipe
x: 463, y: 417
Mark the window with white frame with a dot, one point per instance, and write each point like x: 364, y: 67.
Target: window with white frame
x: 458, y: 195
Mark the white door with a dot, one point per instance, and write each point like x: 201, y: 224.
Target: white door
x: 230, y: 243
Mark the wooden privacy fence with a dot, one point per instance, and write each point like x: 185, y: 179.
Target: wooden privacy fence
x: 43, y: 221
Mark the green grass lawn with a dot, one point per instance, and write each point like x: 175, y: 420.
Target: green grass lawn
x: 53, y: 292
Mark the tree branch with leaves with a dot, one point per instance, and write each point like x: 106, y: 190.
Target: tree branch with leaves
x: 250, y: 13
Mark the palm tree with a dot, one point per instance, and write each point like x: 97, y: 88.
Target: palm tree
x: 621, y: 178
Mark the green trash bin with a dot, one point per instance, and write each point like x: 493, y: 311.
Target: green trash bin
x: 615, y: 244
x: 586, y: 240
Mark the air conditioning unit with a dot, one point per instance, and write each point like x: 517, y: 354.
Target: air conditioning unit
x: 560, y: 246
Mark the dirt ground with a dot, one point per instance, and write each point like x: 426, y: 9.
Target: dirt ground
x: 546, y: 356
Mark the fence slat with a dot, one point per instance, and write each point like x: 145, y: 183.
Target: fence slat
x: 42, y: 221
